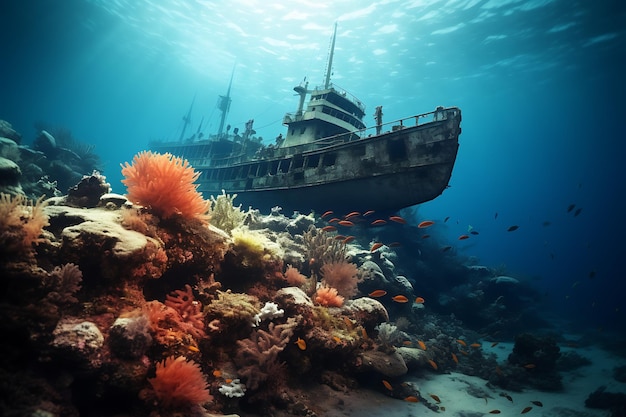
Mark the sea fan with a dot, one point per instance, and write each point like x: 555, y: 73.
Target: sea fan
x: 165, y: 184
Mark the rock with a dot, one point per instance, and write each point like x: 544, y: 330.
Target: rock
x: 129, y: 337
x: 10, y: 173
x: 9, y: 149
x: 294, y: 301
x: 502, y: 279
x: 366, y: 311
x: 404, y: 284
x: 88, y: 191
x: 390, y: 365
x: 372, y: 276
x: 7, y: 131
x: 78, y: 340
x: 413, y: 357
x: 45, y: 143
x: 117, y: 200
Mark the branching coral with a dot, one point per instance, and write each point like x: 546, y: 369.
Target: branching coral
x: 341, y: 275
x: 328, y: 297
x: 322, y: 249
x: 165, y: 184
x: 257, y: 356
x: 224, y: 214
x: 179, y: 382
x: 189, y: 309
x: 21, y: 223
x: 62, y: 283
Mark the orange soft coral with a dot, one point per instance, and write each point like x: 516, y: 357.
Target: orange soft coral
x: 328, y: 297
x: 179, y: 382
x: 165, y: 184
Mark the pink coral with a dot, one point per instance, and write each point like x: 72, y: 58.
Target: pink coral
x: 189, y: 309
x: 343, y: 276
x: 294, y: 277
x: 328, y: 297
x: 179, y: 382
x: 165, y: 184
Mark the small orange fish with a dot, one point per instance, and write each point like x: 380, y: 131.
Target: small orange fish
x: 400, y: 299
x: 334, y: 220
x: 475, y: 345
x: 463, y: 237
x: 419, y: 300
x: 421, y: 344
x: 368, y: 213
x: 329, y: 228
x: 217, y: 373
x: 352, y: 214
x: 348, y: 239
x: 425, y: 224
x: 462, y: 352
x: 375, y: 246
x: 537, y: 403
x: 407, y: 343
x: 530, y: 366
x: 377, y: 293
x: 364, y: 333
x: 327, y: 213
x: 193, y: 348
x: 394, y: 244
x: 378, y: 222
x: 435, y: 397
x: 348, y: 322
x: 461, y: 342
x: 495, y: 412
x: 412, y: 399
x: 228, y: 380
x: 527, y: 409
x: 346, y: 223
x: 337, y: 339
x: 425, y: 236
x: 397, y: 219
x: 433, y: 364
x: 340, y: 237
x: 301, y: 344
x: 387, y: 385
x: 494, y: 344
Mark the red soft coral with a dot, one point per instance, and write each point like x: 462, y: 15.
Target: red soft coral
x: 179, y: 382
x: 328, y: 297
x: 165, y: 184
x: 342, y: 276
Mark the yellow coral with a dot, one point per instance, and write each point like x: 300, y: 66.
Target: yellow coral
x: 254, y: 248
x: 21, y: 222
x: 224, y: 214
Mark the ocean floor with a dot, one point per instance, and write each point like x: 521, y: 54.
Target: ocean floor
x: 467, y: 396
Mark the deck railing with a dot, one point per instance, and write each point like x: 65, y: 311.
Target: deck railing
x: 439, y: 114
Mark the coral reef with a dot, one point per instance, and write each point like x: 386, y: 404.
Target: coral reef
x: 165, y: 185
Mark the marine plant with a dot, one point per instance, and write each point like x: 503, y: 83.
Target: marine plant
x: 21, y: 223
x: 224, y: 214
x: 341, y: 275
x: 165, y: 185
x: 253, y: 249
x: 328, y: 297
x: 179, y: 382
x: 322, y: 249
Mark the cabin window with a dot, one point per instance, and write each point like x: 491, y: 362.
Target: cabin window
x: 253, y: 170
x: 302, y: 130
x: 313, y: 161
x: 396, y: 149
x: 298, y: 162
x: 262, y: 169
x: 329, y: 159
x: 298, y: 176
x: 284, y: 165
x: 274, y: 167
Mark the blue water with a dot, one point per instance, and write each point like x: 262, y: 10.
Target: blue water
x: 540, y: 84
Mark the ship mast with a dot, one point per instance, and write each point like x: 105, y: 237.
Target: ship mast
x: 187, y: 119
x: 223, y: 104
x: 330, y: 58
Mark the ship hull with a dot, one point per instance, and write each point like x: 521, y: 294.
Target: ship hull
x: 385, y: 172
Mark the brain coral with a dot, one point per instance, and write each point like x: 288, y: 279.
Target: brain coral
x: 165, y: 184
